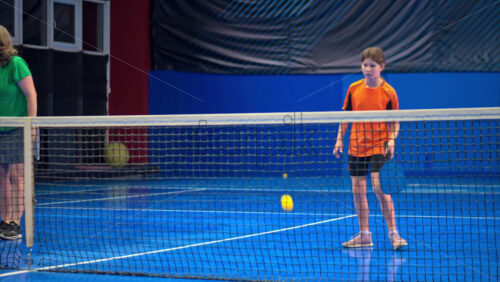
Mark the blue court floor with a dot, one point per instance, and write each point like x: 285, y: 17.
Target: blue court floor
x: 235, y: 229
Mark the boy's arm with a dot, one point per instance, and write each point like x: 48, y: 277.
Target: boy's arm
x: 339, y: 144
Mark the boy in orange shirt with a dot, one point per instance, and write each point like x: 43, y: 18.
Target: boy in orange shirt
x: 370, y: 144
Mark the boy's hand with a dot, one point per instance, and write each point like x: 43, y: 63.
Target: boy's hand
x: 338, y: 149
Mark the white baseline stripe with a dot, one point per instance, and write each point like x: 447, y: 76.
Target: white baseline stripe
x: 120, y: 197
x: 80, y: 191
x: 177, y: 248
x: 195, y: 211
x: 409, y: 191
x: 452, y: 185
x: 275, y: 213
x: 290, y: 189
x: 412, y: 191
x: 121, y: 187
x: 451, y: 191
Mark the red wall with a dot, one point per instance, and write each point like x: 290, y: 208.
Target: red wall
x: 130, y: 62
x: 130, y: 57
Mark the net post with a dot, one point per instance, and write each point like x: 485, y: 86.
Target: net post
x: 28, y: 182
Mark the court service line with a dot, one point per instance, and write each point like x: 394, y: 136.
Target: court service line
x: 453, y: 185
x: 407, y: 191
x: 177, y: 248
x: 120, y: 197
x: 455, y: 191
x: 121, y: 187
x: 55, y: 192
x: 440, y: 189
x: 194, y: 211
x: 268, y: 213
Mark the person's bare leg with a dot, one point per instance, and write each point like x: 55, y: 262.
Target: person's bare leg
x: 362, y: 210
x: 13, y: 201
x: 5, y: 193
x: 386, y: 203
x: 361, y: 203
x: 17, y: 184
x: 387, y: 206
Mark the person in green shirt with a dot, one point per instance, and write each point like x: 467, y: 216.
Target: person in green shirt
x: 17, y: 98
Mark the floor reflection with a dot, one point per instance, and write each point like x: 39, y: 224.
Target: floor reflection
x: 365, y: 258
x: 11, y: 254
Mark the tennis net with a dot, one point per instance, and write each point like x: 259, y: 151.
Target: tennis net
x: 198, y: 196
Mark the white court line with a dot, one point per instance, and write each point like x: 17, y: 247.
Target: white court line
x: 120, y: 187
x: 176, y: 248
x: 119, y: 197
x: 452, y: 185
x: 448, y: 217
x: 193, y: 211
x: 291, y: 190
x: 269, y: 213
x: 412, y: 191
x: 454, y: 191
x: 78, y: 191
x: 452, y: 188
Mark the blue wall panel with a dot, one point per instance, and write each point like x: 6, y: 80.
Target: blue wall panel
x: 446, y: 90
x: 174, y: 92
x: 203, y: 151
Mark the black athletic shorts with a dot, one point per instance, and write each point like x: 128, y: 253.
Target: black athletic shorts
x: 359, y: 166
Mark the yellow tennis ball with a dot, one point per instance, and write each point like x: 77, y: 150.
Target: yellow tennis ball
x: 285, y: 176
x: 287, y: 202
x: 117, y: 154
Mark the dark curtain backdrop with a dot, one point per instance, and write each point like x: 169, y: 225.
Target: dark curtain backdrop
x: 68, y: 83
x: 317, y: 36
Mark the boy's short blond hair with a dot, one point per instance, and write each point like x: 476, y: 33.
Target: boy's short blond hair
x: 374, y: 53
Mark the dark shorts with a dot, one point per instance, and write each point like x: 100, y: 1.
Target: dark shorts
x: 11, y: 146
x: 359, y: 166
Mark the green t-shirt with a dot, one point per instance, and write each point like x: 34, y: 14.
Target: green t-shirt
x: 12, y: 100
